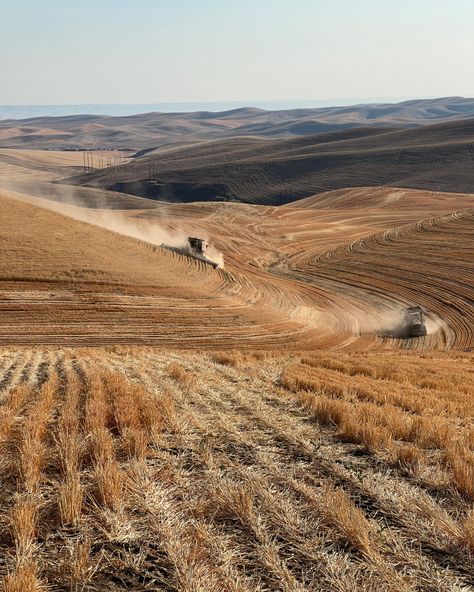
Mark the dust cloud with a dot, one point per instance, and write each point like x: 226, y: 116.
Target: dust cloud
x: 314, y: 318
x: 385, y: 320
x: 114, y: 220
x: 390, y: 321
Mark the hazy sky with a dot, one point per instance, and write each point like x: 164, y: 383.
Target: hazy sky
x: 148, y: 51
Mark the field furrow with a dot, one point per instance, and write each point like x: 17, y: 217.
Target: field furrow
x: 128, y: 468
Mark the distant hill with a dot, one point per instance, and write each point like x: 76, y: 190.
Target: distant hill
x: 437, y: 157
x: 151, y: 130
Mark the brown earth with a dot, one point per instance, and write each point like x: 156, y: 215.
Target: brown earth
x: 292, y: 453
x: 149, y: 130
x: 438, y: 157
x: 303, y: 277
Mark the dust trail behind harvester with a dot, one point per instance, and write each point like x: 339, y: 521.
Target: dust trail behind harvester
x: 390, y: 321
x: 341, y: 316
x: 115, y: 221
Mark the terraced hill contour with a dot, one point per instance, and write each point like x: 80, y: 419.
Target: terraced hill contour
x: 438, y: 157
x: 305, y: 277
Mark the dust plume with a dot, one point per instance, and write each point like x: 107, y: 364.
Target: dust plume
x: 390, y: 321
x: 114, y: 220
x: 383, y: 319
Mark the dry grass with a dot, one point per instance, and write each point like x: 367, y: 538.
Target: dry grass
x: 226, y: 359
x: 110, y: 484
x: 467, y: 531
x: 408, y: 456
x: 70, y: 499
x: 341, y: 513
x: 265, y: 474
x: 81, y: 567
x: 32, y: 447
x: 461, y: 463
x: 24, y: 579
x: 181, y: 375
x: 23, y: 526
x: 400, y: 418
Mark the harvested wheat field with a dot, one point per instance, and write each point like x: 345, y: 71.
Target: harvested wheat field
x: 301, y: 277
x: 169, y: 426
x: 236, y: 336
x: 138, y: 469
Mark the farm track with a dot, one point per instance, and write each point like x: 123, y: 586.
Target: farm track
x: 220, y: 474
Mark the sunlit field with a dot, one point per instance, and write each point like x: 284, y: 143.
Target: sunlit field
x: 169, y: 426
x: 126, y: 468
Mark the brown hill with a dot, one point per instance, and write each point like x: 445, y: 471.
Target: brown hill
x: 149, y: 130
x: 66, y: 281
x: 276, y: 465
x: 304, y: 277
x: 438, y: 157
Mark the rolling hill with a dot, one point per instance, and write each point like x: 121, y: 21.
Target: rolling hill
x: 330, y: 270
x: 149, y: 130
x: 438, y: 157
x: 166, y: 425
x: 307, y: 277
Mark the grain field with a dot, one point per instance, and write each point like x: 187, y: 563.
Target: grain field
x: 134, y: 469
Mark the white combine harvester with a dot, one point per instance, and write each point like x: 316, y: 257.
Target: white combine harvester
x: 195, y: 248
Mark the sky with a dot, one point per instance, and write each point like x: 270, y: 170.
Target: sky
x: 152, y: 51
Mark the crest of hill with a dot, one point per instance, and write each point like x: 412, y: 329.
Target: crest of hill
x: 386, y: 198
x: 148, y: 130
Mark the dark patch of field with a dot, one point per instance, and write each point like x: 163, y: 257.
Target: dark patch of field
x: 438, y: 157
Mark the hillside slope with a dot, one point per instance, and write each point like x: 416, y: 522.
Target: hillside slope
x: 149, y: 130
x: 438, y: 157
x: 428, y: 263
x: 294, y: 277
x: 66, y: 281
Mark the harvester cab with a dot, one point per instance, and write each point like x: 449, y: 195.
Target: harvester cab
x: 197, y: 246
x: 411, y: 323
x: 414, y: 322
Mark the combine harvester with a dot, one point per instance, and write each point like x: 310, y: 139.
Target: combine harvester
x: 196, y: 248
x: 412, y: 325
